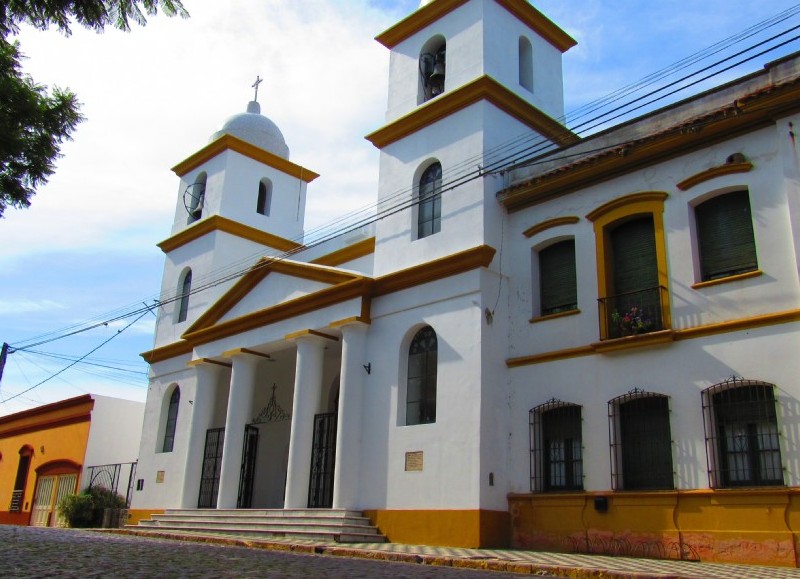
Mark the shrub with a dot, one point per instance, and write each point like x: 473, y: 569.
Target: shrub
x: 86, y: 509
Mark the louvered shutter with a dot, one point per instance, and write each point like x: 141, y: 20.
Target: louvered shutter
x: 725, y: 235
x: 558, y: 288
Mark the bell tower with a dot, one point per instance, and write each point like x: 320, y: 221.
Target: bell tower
x: 472, y: 85
x: 239, y: 197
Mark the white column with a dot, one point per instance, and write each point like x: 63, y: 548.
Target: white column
x: 240, y: 413
x: 348, y: 429
x: 307, y: 392
x: 202, y: 409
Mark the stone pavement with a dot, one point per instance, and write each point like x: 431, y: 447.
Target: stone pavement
x: 508, y: 562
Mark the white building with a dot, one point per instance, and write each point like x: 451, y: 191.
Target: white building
x: 464, y: 371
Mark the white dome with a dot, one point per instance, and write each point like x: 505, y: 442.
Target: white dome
x: 256, y: 129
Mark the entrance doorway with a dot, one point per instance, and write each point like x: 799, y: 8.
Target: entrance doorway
x: 323, y: 459
x: 212, y: 466
x: 49, y: 492
x: 248, y: 472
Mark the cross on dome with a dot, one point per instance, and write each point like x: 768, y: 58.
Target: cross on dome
x: 258, y: 81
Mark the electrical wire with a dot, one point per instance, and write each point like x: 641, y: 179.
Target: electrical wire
x: 401, y: 199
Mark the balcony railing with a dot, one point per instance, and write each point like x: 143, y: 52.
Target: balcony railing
x: 632, y: 313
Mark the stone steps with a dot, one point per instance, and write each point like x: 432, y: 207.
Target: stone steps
x: 339, y: 525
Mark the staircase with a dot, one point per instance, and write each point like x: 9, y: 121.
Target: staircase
x: 338, y: 525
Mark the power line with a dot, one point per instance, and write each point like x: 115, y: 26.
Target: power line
x: 459, y: 175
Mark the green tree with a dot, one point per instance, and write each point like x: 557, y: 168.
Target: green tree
x: 34, y: 121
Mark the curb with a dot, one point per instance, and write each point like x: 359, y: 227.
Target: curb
x: 481, y: 564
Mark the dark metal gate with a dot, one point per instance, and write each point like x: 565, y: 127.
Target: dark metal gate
x: 248, y: 472
x: 323, y: 458
x: 212, y: 465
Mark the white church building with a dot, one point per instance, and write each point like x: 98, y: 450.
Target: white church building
x: 594, y: 351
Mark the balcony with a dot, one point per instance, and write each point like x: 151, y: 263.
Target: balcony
x: 632, y: 313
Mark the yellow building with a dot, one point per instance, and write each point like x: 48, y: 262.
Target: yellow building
x: 44, y: 452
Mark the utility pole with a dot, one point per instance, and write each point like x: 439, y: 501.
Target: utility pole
x: 3, y: 356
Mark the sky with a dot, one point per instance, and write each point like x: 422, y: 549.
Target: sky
x: 86, y: 247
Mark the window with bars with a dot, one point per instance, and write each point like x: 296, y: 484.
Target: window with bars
x: 641, y: 442
x: 558, y: 289
x: 725, y: 236
x: 421, y: 385
x: 172, y: 420
x: 742, y: 435
x: 429, y: 209
x: 556, y: 447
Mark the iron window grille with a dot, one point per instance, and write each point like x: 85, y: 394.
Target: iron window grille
x: 556, y: 447
x: 422, y: 370
x: 429, y: 211
x: 640, y: 441
x: 742, y: 434
x: 172, y: 420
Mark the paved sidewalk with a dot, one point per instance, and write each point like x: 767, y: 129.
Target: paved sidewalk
x: 506, y: 560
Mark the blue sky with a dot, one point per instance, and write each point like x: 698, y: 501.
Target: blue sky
x: 152, y: 97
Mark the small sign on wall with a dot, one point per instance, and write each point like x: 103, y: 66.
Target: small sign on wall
x: 414, y: 461
x: 160, y: 476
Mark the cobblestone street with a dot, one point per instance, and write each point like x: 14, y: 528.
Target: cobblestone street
x: 39, y: 552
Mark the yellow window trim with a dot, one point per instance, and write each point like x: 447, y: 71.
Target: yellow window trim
x: 231, y: 143
x: 713, y: 172
x: 483, y: 88
x: 549, y: 224
x: 219, y: 223
x: 521, y: 9
x: 728, y: 279
x: 643, y: 203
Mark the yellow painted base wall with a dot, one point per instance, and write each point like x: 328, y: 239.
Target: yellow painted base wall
x: 753, y: 526
x: 136, y: 515
x: 450, y: 528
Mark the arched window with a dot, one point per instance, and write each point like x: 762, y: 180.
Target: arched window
x: 172, y: 420
x: 742, y: 434
x: 186, y: 290
x: 525, y: 63
x: 421, y: 387
x: 429, y: 211
x: 432, y: 69
x: 196, y: 194
x: 264, y: 197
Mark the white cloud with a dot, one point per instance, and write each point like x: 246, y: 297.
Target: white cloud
x: 25, y: 306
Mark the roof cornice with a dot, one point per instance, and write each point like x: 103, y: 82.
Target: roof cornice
x: 482, y: 88
x: 432, y: 12
x: 743, y: 114
x: 231, y: 143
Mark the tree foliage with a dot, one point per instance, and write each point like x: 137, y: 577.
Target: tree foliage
x: 34, y: 121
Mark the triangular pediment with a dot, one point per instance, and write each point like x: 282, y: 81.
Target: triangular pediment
x: 268, y: 284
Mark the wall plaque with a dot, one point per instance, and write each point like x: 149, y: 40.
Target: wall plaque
x: 414, y: 461
x: 160, y: 476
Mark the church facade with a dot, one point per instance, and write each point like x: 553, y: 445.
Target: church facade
x: 590, y: 352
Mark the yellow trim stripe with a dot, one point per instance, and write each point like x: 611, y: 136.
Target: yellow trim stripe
x: 521, y: 9
x: 219, y: 223
x: 713, y: 172
x: 483, y: 88
x: 346, y: 254
x: 348, y: 286
x: 785, y: 317
x: 231, y: 143
x: 549, y: 224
